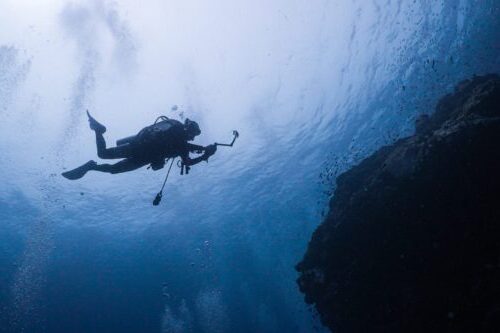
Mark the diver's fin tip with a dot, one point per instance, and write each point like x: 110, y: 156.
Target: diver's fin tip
x: 95, y: 125
x: 80, y: 171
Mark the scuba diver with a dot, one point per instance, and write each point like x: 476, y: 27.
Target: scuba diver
x: 166, y: 138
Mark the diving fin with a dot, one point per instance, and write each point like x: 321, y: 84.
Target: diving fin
x: 80, y: 171
x: 95, y: 125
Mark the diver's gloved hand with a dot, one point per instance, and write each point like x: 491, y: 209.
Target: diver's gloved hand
x: 209, y: 151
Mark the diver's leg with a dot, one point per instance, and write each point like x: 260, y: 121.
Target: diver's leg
x: 109, y: 153
x: 122, y: 166
x: 102, y: 151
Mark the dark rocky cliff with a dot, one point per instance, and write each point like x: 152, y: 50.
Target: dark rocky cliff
x: 412, y: 240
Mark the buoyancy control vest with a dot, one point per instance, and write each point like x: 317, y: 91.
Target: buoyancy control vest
x: 159, y: 140
x: 163, y: 130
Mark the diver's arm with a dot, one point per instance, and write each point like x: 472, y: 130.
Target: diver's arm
x: 192, y: 161
x: 195, y: 148
x: 209, y: 151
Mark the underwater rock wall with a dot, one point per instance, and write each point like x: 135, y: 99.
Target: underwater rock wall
x: 412, y: 239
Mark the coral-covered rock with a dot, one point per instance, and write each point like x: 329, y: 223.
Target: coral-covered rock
x: 412, y: 239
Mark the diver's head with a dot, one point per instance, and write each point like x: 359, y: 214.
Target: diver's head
x: 191, y: 128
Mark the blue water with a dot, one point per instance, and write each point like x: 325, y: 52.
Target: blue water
x: 312, y: 87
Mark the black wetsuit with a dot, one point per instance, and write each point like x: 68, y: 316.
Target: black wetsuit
x: 146, y: 148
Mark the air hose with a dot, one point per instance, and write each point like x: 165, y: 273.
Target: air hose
x: 158, y: 197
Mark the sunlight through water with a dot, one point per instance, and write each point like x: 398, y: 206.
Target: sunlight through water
x: 312, y: 87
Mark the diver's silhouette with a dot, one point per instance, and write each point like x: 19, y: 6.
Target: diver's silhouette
x: 166, y: 138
